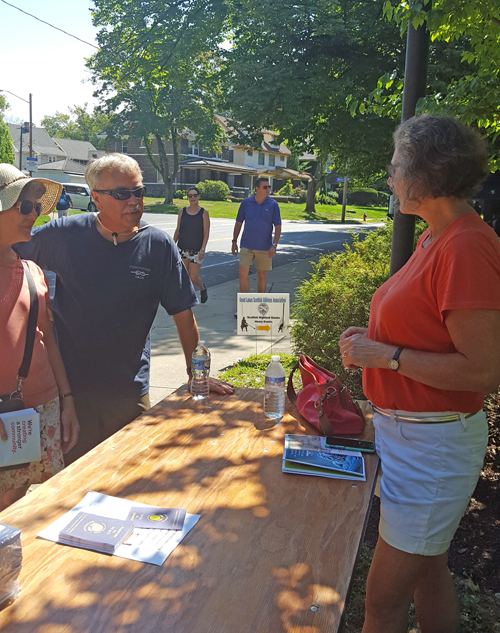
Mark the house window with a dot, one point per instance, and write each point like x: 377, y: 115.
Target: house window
x: 249, y: 152
x: 282, y: 159
x: 193, y: 148
x: 125, y: 147
x: 262, y: 160
x: 231, y: 156
x: 272, y: 160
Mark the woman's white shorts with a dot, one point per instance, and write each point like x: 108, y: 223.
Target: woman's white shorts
x: 429, y: 472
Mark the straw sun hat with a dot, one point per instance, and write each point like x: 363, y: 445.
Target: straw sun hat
x: 13, y: 181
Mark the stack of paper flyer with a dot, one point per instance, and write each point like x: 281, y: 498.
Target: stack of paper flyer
x: 308, y: 455
x: 91, y: 531
x: 156, y: 531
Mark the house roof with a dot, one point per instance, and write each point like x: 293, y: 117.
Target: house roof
x: 217, y: 165
x: 231, y: 129
x: 42, y: 143
x: 283, y: 172
x: 77, y: 150
x: 67, y: 166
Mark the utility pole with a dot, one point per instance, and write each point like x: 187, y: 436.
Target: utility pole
x: 344, y: 195
x: 417, y: 53
x: 23, y: 130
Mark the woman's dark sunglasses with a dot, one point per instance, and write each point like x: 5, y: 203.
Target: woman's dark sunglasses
x: 193, y: 195
x: 124, y: 194
x: 26, y: 207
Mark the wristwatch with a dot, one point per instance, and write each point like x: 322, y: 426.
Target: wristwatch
x: 394, y: 362
x: 275, y: 244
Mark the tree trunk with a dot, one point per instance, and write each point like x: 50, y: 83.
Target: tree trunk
x: 167, y: 175
x: 314, y: 184
x: 312, y: 188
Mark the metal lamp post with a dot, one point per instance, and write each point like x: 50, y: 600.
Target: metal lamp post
x: 22, y: 127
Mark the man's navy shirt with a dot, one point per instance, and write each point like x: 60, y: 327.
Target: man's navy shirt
x: 259, y: 221
x: 106, y: 300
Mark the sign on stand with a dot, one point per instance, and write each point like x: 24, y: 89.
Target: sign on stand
x: 32, y: 164
x: 263, y: 314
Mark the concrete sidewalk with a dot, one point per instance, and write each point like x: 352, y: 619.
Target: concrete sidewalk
x: 217, y: 327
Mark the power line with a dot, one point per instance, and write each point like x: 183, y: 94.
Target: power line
x: 51, y: 25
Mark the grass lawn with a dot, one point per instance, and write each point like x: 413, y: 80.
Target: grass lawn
x: 289, y: 211
x: 329, y: 214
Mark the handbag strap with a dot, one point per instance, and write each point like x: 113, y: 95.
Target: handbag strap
x: 324, y: 423
x: 290, y: 391
x: 22, y: 374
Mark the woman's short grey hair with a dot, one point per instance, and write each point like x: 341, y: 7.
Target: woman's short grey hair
x: 439, y: 156
x: 120, y: 163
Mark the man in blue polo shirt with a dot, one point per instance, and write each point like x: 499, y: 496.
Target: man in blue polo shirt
x: 259, y: 213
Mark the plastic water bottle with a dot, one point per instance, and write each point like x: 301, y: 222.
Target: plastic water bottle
x: 200, y: 366
x: 274, y: 393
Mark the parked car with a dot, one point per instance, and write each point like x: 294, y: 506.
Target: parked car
x: 80, y: 194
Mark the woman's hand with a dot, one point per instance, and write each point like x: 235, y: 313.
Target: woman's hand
x: 357, y: 350
x: 201, y: 254
x: 70, y: 428
x: 3, y: 432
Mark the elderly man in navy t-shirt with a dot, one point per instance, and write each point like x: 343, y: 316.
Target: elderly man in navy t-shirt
x: 260, y: 214
x: 113, y: 270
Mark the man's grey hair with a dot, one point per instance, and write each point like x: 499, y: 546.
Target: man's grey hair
x: 120, y: 163
x: 439, y: 156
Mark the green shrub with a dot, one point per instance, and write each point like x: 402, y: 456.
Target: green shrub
x: 286, y: 190
x: 367, y: 197
x: 213, y: 190
x: 300, y: 193
x: 338, y: 295
x: 334, y: 195
x: 179, y: 194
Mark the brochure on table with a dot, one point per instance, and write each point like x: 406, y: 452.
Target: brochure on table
x: 147, y: 546
x: 308, y: 455
x: 23, y: 437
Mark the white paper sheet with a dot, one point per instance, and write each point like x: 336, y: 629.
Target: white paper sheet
x: 147, y: 546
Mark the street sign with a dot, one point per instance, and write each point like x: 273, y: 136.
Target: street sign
x: 263, y: 314
x: 32, y: 164
x: 339, y: 179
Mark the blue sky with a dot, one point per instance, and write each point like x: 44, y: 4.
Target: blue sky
x: 38, y: 59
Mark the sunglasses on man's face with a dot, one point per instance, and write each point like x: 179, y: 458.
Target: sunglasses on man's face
x: 123, y: 194
x: 25, y: 207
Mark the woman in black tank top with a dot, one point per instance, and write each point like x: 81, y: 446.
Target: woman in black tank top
x: 191, y: 236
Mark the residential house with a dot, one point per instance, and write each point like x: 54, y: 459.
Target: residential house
x: 66, y: 170
x: 78, y: 151
x: 44, y: 148
x: 238, y: 165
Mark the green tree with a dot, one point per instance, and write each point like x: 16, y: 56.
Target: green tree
x: 467, y: 34
x: 157, y: 72
x: 78, y: 125
x: 6, y: 143
x: 299, y: 66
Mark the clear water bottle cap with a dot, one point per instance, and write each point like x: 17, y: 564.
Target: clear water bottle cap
x: 201, y: 342
x: 275, y: 357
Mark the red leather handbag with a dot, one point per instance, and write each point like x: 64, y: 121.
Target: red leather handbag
x: 324, y: 401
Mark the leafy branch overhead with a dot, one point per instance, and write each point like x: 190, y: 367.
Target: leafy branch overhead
x: 156, y: 72
x: 463, y: 32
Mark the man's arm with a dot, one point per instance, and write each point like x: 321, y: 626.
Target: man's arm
x: 277, y: 235
x: 236, y: 232
x: 187, y: 331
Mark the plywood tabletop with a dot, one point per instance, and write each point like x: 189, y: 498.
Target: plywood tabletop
x: 268, y: 547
